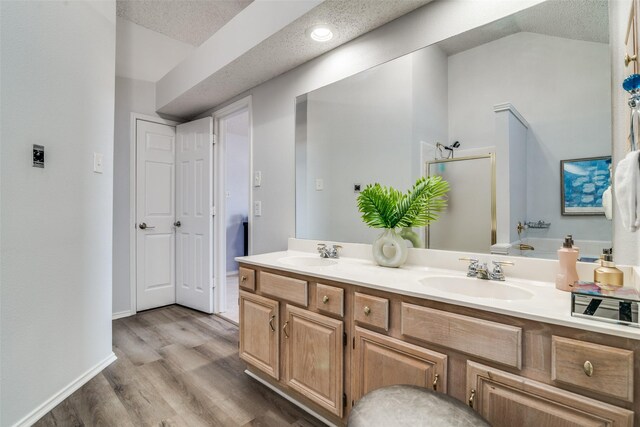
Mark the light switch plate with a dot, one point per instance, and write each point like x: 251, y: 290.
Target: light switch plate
x: 257, y: 178
x: 98, y: 166
x: 319, y: 184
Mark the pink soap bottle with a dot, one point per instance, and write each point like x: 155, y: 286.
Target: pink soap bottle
x: 568, y: 256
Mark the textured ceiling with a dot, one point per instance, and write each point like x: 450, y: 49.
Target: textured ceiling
x: 190, y: 21
x: 288, y: 49
x: 586, y: 20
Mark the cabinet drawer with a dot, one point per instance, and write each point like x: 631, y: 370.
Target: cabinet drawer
x: 330, y: 299
x: 489, y: 340
x: 286, y: 288
x: 247, y: 279
x: 371, y: 311
x: 605, y: 370
x: 507, y: 400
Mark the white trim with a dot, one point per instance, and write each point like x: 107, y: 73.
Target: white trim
x: 507, y: 106
x: 233, y: 273
x: 57, y: 398
x: 121, y: 314
x: 290, y: 399
x: 132, y: 200
x: 219, y: 223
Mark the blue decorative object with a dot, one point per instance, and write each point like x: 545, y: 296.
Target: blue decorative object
x: 631, y: 83
x: 583, y: 182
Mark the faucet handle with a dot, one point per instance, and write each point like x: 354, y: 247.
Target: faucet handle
x: 472, y: 270
x: 321, y: 246
x: 498, y: 273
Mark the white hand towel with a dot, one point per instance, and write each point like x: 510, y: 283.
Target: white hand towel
x: 606, y: 203
x: 626, y: 188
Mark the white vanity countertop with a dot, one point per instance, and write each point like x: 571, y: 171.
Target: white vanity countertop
x: 547, y: 304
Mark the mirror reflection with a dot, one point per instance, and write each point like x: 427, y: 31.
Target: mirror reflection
x: 496, y: 111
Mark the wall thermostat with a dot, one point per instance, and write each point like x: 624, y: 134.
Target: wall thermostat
x: 38, y: 156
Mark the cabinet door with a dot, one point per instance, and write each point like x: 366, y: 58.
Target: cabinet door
x: 259, y: 333
x: 314, y: 357
x: 381, y: 361
x: 508, y: 400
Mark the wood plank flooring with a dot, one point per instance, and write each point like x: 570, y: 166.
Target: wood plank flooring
x: 175, y: 367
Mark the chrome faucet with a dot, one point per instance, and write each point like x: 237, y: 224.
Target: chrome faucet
x: 481, y: 271
x: 326, y: 252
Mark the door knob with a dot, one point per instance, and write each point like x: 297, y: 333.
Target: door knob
x: 177, y: 224
x: 144, y: 226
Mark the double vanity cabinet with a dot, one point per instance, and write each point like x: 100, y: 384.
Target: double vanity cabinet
x: 325, y: 343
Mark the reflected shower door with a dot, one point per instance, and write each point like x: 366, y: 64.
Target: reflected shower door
x: 469, y: 222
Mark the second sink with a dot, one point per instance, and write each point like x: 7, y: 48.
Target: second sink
x: 476, y: 288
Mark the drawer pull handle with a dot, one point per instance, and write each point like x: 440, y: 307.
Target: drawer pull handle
x: 436, y: 377
x: 325, y: 299
x: 472, y: 397
x: 367, y: 311
x: 284, y: 329
x: 243, y: 278
x: 271, y: 323
x: 588, y: 368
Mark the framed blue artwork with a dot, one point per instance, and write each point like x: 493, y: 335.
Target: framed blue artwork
x: 582, y: 183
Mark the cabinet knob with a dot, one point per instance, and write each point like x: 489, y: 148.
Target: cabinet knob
x: 367, y: 311
x: 325, y: 299
x: 284, y: 329
x: 243, y: 278
x: 588, y: 368
x: 271, y: 319
x: 436, y: 377
x: 472, y: 397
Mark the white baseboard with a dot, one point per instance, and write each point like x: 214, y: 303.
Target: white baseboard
x: 290, y: 399
x: 57, y: 398
x: 121, y: 314
x: 233, y: 273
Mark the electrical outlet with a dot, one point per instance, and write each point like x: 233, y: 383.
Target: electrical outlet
x: 257, y: 208
x: 38, y: 156
x: 257, y: 178
x: 319, y: 184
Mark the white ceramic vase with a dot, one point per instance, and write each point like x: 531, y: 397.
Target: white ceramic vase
x: 390, y: 250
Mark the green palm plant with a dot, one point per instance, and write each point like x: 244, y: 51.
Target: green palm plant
x: 386, y: 207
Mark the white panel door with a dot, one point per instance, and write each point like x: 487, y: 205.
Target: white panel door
x: 194, y: 201
x: 155, y: 214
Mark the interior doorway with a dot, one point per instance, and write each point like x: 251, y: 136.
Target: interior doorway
x: 233, y: 133
x: 172, y: 211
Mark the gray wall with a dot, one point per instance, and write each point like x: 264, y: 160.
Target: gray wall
x: 58, y: 62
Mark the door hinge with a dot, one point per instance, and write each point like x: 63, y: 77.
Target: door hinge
x: 213, y: 211
x: 344, y: 400
x: 214, y: 139
x: 345, y: 340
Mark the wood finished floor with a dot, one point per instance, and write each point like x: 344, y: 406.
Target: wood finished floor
x: 175, y: 367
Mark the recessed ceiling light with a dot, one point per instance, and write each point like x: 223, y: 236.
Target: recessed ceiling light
x: 320, y: 33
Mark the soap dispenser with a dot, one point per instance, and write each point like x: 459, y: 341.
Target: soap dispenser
x: 607, y: 276
x: 568, y: 256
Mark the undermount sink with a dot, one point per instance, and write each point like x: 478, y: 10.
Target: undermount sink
x: 307, y: 261
x: 476, y: 288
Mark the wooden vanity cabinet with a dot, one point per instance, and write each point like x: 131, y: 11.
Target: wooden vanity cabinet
x: 326, y: 344
x: 259, y: 333
x: 381, y: 361
x: 507, y: 400
x: 314, y: 348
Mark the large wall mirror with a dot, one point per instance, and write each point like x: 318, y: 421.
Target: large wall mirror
x: 526, y: 93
